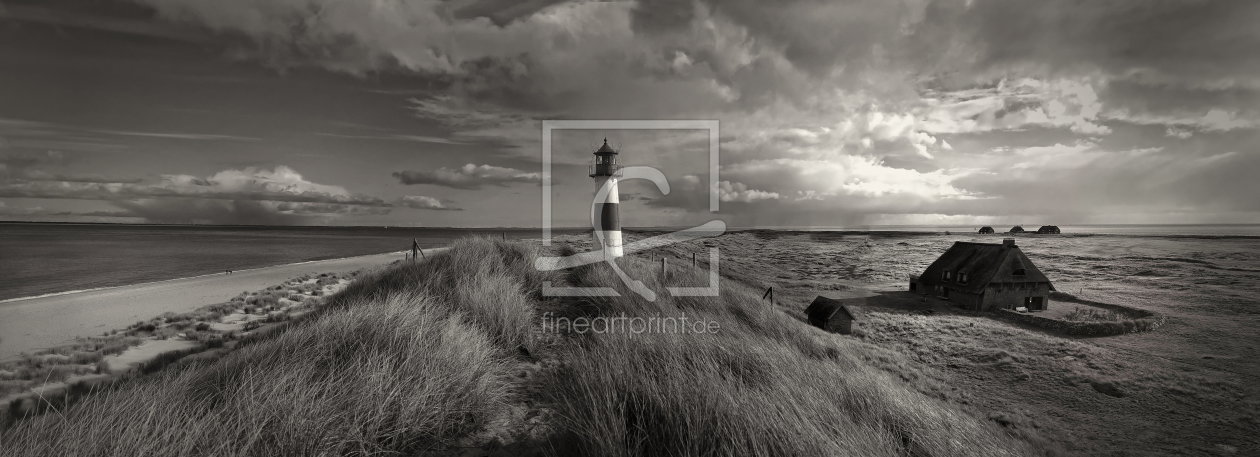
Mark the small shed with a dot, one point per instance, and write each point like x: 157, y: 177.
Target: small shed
x: 830, y: 315
x: 1049, y: 230
x: 986, y: 230
x: 1017, y: 229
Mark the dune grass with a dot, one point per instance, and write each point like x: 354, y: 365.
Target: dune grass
x: 401, y: 362
x: 764, y: 384
x: 417, y: 357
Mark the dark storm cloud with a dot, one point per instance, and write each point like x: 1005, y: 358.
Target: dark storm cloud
x: 229, y: 212
x: 745, y: 53
x: 29, y: 211
x: 239, y: 212
x: 121, y: 17
x: 843, y: 109
x: 501, y: 12
x: 1194, y: 42
x: 468, y: 177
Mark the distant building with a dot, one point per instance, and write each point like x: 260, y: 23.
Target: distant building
x: 1048, y: 229
x: 1017, y: 229
x: 985, y: 276
x: 986, y: 230
x: 830, y: 315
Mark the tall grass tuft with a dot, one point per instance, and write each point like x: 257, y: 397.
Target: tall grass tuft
x: 494, y: 283
x: 391, y: 376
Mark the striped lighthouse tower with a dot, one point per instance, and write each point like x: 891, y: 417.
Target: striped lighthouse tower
x: 607, y: 224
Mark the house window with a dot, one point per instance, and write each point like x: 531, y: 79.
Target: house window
x: 962, y: 278
x: 945, y: 275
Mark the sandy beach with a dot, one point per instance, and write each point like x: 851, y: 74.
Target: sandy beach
x: 40, y: 322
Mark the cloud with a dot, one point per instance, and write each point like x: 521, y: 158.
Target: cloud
x: 198, y: 211
x: 252, y: 195
x: 1214, y: 120
x: 18, y: 166
x: 1192, y: 43
x: 396, y: 137
x: 279, y: 183
x: 181, y: 136
x: 467, y: 177
x: 423, y: 202
x: 239, y: 212
x: 1014, y: 105
x: 861, y: 107
x: 13, y: 161
x: 29, y: 211
x: 1178, y: 132
x: 739, y: 192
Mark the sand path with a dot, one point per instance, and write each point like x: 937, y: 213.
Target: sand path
x: 40, y: 322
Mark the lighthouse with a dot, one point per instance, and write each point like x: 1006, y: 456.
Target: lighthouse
x: 604, y: 209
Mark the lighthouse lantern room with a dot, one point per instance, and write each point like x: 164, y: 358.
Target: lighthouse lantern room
x: 606, y: 224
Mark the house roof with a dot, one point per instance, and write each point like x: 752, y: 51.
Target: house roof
x: 984, y: 264
x: 823, y: 308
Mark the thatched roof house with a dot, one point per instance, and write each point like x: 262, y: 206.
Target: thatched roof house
x: 986, y: 230
x: 1017, y: 229
x: 830, y: 315
x: 1049, y: 229
x: 984, y: 276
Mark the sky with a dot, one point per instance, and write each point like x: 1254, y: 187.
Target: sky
x: 429, y: 113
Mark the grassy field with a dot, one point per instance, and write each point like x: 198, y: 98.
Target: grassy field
x: 1186, y: 388
x: 454, y: 356
x: 765, y: 384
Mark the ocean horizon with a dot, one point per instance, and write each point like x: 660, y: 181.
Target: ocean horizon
x: 53, y: 258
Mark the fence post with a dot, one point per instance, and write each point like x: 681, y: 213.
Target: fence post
x: 662, y: 267
x: 693, y: 260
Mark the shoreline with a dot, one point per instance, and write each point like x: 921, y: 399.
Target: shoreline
x: 159, y: 281
x: 30, y: 324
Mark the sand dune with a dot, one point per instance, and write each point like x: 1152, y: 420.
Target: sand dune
x: 39, y: 322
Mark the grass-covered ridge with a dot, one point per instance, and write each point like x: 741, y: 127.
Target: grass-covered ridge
x: 394, y: 364
x: 424, y: 358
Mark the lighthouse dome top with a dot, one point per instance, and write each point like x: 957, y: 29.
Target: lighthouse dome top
x: 605, y: 149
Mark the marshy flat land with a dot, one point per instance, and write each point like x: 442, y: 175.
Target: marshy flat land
x: 454, y: 355
x: 1190, y: 387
